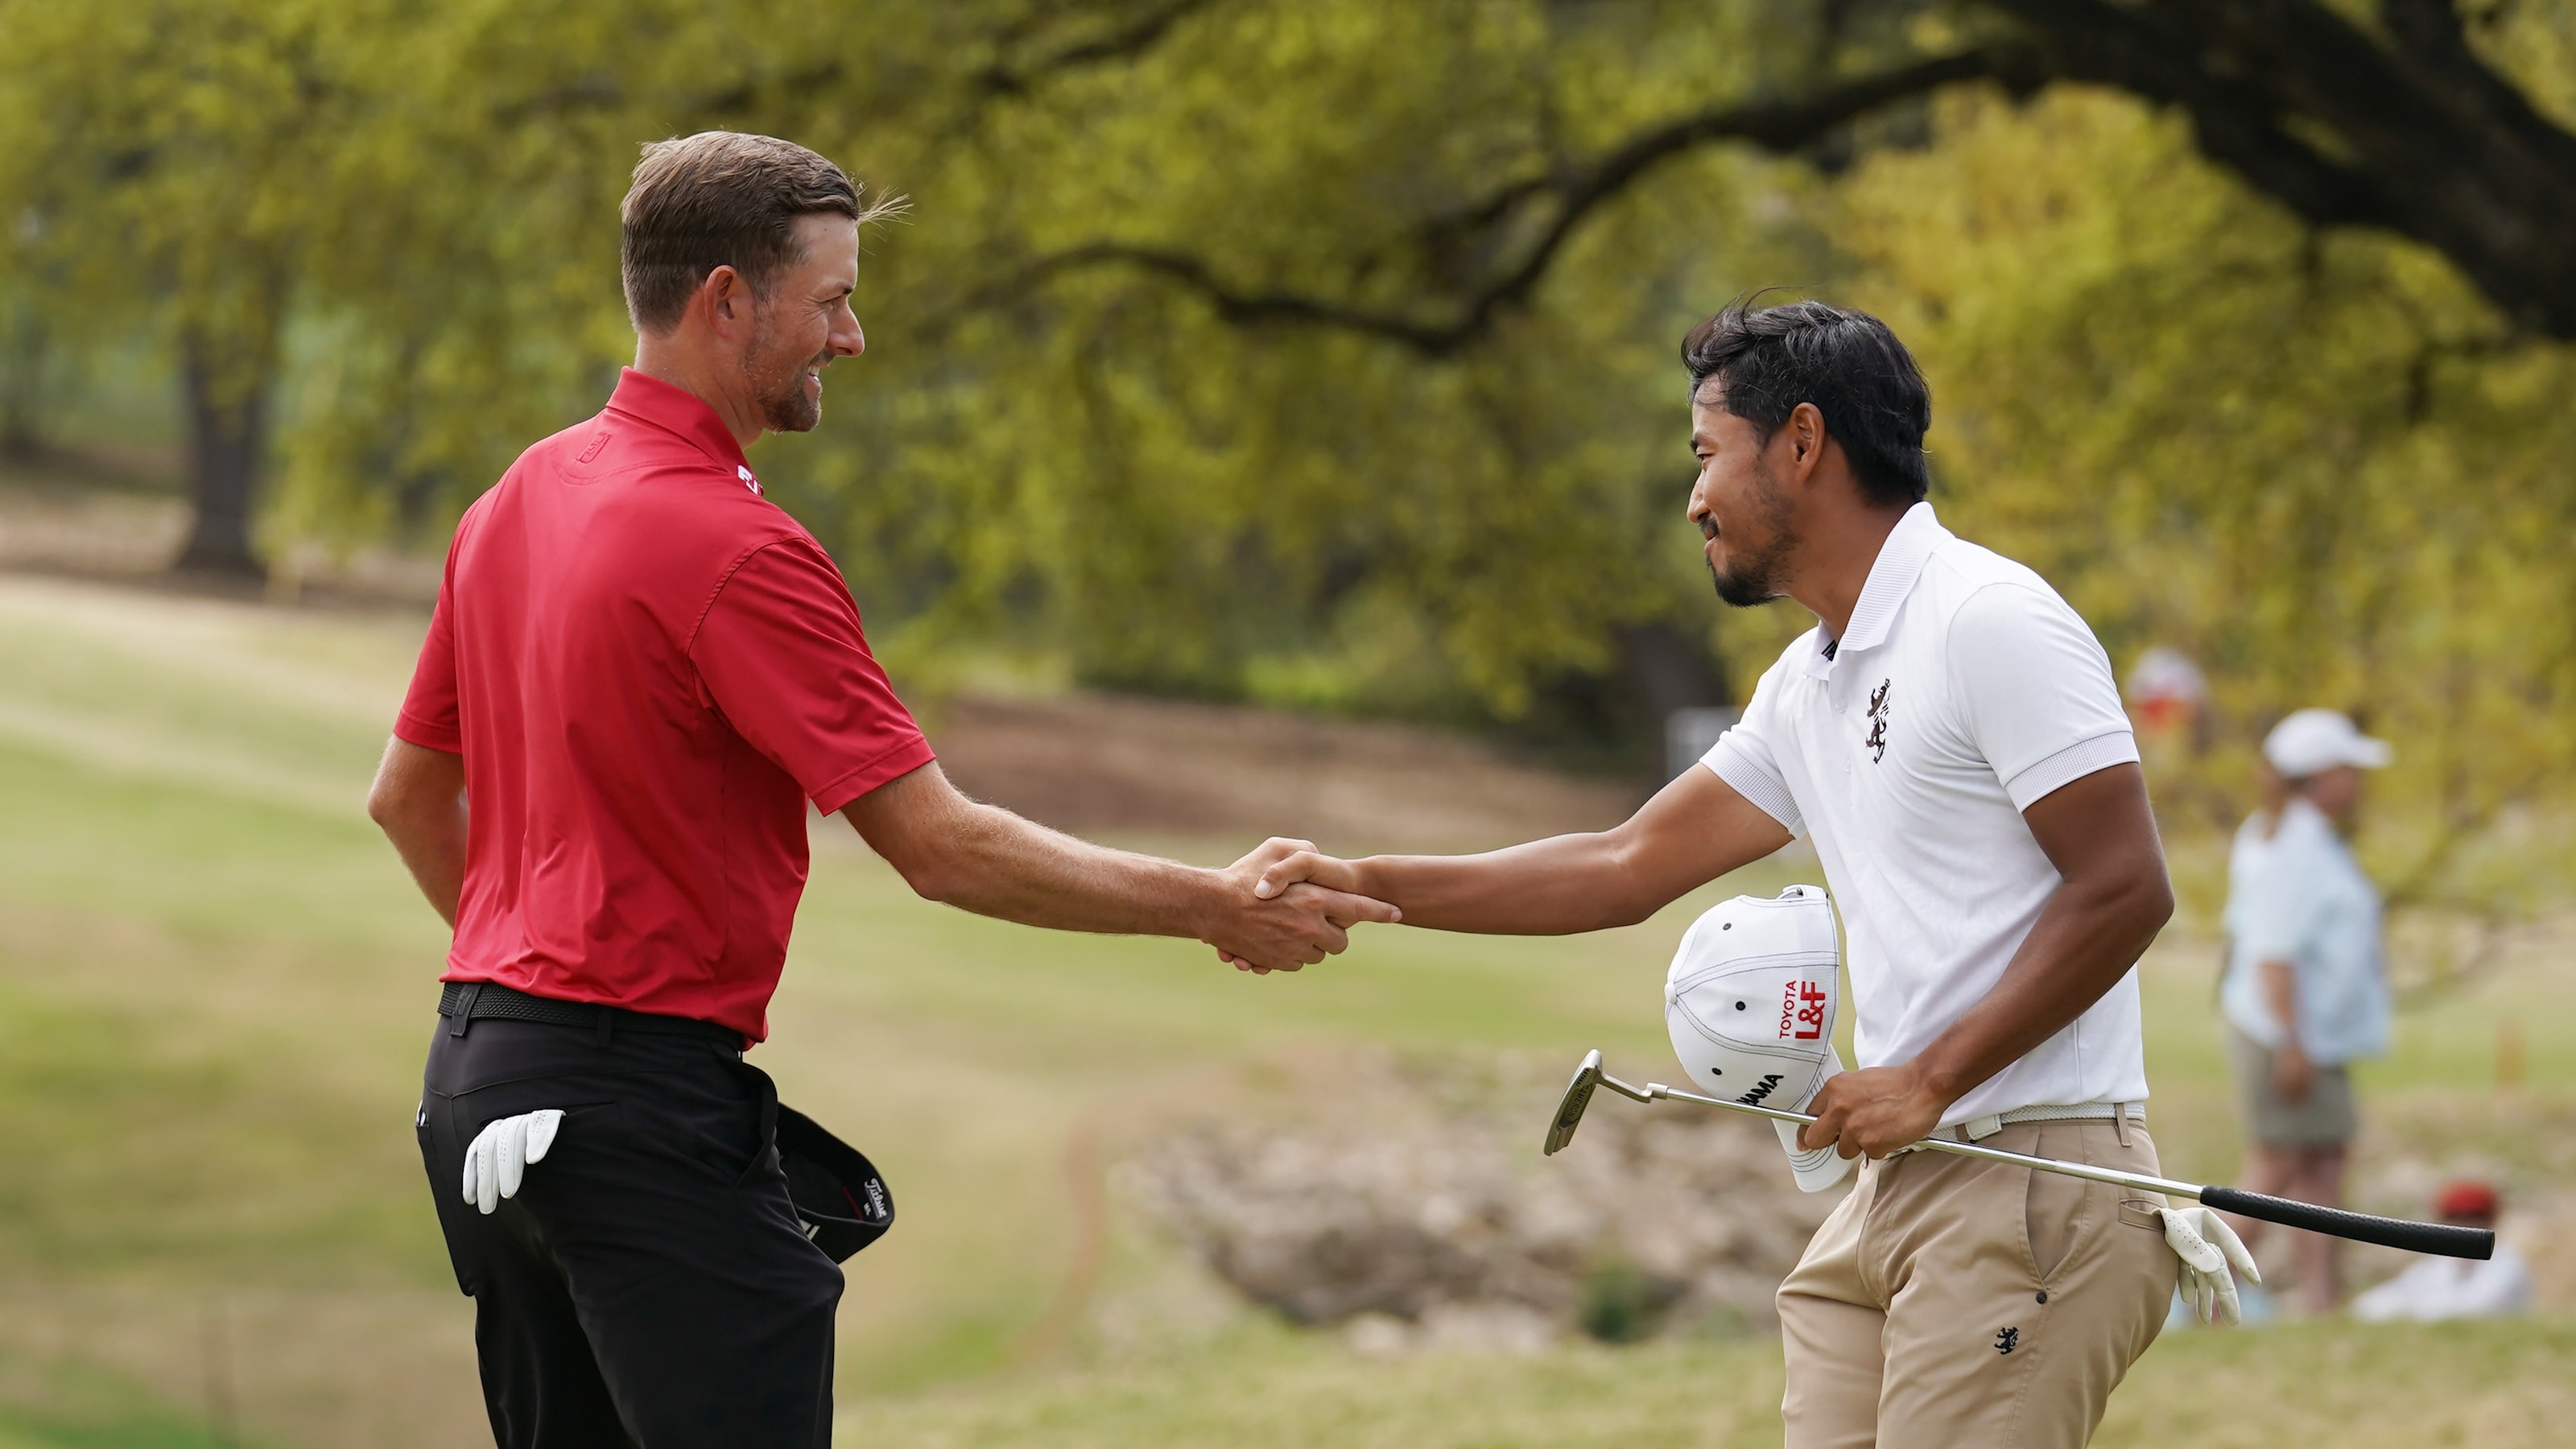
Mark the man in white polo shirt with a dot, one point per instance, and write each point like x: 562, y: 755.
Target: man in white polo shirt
x: 1950, y: 736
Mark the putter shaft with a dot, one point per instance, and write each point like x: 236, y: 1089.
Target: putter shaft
x: 2446, y: 1239
x: 2085, y: 1170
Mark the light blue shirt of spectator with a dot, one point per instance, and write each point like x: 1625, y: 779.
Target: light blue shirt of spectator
x: 2300, y: 897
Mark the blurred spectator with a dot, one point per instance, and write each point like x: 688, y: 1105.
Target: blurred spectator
x: 2305, y: 992
x: 2167, y: 694
x: 2438, y: 1288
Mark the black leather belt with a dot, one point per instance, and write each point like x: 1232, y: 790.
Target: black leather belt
x: 465, y: 1002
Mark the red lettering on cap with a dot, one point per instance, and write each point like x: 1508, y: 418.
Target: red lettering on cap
x: 1802, y: 1011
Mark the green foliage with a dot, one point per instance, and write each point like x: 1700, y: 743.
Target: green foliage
x: 417, y: 206
x: 1622, y: 1303
x: 161, y: 160
x: 2319, y: 463
x: 1191, y: 502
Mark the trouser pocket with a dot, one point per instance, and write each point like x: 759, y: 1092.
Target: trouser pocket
x: 2057, y: 1209
x: 442, y: 1157
x: 764, y: 1146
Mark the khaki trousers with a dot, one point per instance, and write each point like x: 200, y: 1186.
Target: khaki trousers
x: 1950, y: 1303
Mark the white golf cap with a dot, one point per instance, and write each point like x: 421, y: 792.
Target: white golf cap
x: 1751, y: 1003
x: 2315, y: 740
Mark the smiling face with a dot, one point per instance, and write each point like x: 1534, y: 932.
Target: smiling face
x: 1743, y: 513
x: 803, y: 323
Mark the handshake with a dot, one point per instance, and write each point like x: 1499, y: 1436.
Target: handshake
x: 1286, y: 905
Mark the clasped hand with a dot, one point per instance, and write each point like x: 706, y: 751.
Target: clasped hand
x: 1874, y: 1110
x: 1274, y: 927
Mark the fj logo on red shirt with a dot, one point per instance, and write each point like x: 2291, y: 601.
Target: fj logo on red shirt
x: 1802, y: 1011
x: 748, y: 481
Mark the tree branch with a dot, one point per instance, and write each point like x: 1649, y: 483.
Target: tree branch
x: 2403, y: 128
x: 1234, y: 304
x: 1577, y: 192
x: 2419, y: 136
x: 1124, y: 42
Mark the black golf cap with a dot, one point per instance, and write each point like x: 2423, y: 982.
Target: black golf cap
x: 840, y: 1196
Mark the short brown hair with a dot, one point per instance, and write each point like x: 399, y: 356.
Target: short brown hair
x: 722, y: 198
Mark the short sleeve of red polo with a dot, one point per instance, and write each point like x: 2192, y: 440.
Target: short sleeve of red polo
x: 783, y: 659
x: 429, y: 715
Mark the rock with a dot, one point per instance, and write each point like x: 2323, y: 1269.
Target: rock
x: 1421, y: 1215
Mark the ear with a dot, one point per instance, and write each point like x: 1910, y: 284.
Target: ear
x: 1805, y: 429
x: 723, y: 302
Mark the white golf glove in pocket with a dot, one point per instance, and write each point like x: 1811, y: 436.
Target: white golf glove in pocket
x: 2208, y: 1247
x: 497, y: 1161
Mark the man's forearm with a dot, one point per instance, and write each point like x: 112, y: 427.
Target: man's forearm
x: 987, y: 860
x: 1554, y: 887
x: 2086, y: 939
x: 433, y: 849
x: 2281, y: 994
x: 1694, y: 830
x: 418, y: 800
x: 999, y: 864
x: 2112, y: 898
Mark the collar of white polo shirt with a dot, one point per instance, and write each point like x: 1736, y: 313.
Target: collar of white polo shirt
x: 1891, y: 577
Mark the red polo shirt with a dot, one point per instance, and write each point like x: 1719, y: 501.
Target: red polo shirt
x: 649, y: 669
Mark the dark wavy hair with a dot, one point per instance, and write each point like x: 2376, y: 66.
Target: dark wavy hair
x: 1767, y: 360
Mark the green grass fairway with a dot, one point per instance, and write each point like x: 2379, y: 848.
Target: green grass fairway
x: 216, y: 984
x: 2488, y: 1385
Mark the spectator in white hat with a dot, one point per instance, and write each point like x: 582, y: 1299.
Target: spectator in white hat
x: 2306, y: 992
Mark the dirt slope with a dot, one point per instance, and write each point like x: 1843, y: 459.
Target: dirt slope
x: 1105, y: 763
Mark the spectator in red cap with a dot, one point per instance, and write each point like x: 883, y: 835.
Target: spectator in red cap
x: 2438, y: 1288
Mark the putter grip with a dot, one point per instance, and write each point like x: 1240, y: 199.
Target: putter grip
x: 2438, y: 1238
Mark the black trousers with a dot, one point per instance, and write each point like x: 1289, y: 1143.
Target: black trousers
x: 649, y: 1287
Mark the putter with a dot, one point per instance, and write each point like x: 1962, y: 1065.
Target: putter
x: 2438, y: 1238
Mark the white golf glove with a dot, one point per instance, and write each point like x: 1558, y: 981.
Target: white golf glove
x: 2207, y: 1247
x: 497, y: 1160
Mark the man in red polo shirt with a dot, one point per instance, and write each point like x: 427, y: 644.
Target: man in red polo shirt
x: 639, y: 673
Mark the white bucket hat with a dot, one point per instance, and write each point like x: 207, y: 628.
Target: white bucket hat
x: 2315, y: 740
x: 1751, y: 1004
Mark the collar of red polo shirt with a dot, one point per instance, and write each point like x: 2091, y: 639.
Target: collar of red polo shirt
x: 674, y: 409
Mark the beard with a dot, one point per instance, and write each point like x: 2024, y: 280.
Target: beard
x: 1756, y: 576
x: 778, y: 384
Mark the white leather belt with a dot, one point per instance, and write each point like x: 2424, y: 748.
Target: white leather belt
x: 1977, y: 1129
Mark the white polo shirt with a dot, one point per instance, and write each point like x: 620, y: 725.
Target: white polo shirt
x: 1964, y: 690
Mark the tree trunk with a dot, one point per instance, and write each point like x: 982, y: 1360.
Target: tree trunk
x: 26, y: 369
x: 1666, y: 669
x: 227, y: 436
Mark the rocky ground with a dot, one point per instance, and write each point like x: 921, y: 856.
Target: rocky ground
x: 1424, y: 1212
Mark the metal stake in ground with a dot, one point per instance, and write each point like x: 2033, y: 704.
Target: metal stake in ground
x: 2438, y: 1238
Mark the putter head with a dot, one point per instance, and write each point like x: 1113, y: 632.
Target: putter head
x: 1569, y: 1108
